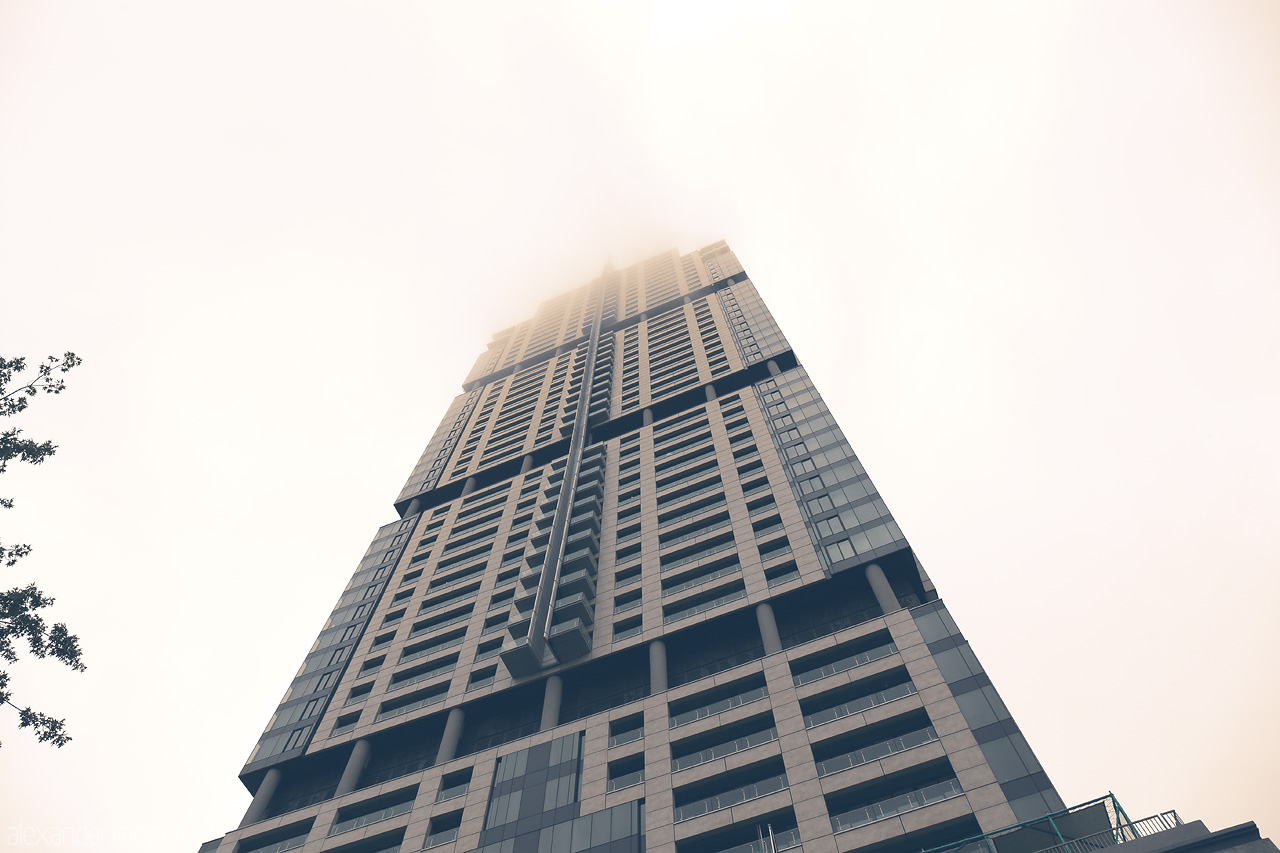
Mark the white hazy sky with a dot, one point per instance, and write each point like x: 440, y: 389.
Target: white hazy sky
x: 1029, y: 252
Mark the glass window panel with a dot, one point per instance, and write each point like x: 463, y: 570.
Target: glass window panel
x: 970, y: 658
x: 622, y: 823
x: 1004, y: 760
x: 600, y: 828
x: 581, y: 836
x: 560, y: 836
x: 879, y: 536
x: 952, y: 665
x: 977, y: 711
x: 930, y: 625
x: 994, y: 698
x: 1025, y: 753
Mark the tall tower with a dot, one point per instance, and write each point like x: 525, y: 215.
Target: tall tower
x: 641, y: 595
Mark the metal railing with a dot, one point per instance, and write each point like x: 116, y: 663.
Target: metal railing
x: 720, y: 750
x: 1107, y: 810
x: 844, y: 664
x: 586, y: 709
x: 830, y: 627
x: 896, y: 805
x: 704, y: 670
x: 876, y: 751
x: 718, y: 707
x: 731, y: 798
x: 497, y: 739
x: 775, y: 843
x: 862, y: 703
x: 1119, y: 834
x: 386, y: 774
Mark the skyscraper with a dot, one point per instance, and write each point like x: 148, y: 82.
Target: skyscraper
x: 641, y: 594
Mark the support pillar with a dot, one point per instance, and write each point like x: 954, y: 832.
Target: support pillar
x: 885, y: 596
x: 526, y: 464
x: 768, y: 628
x: 657, y: 667
x: 551, y: 703
x: 452, y: 734
x: 711, y: 392
x: 469, y: 486
x: 647, y: 417
x: 356, y: 764
x: 415, y: 507
x: 262, y: 797
x: 774, y: 370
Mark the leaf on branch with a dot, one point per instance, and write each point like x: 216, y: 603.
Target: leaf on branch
x: 48, y: 729
x: 13, y: 553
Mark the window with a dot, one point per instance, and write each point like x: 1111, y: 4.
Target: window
x: 626, y: 771
x: 822, y: 503
x: 810, y: 485
x: 841, y: 550
x: 626, y: 730
x: 488, y: 649
x: 483, y: 677
x: 830, y: 526
x: 628, y: 601
x: 454, y: 785
x: 626, y: 629
x: 296, y: 737
x: 627, y: 576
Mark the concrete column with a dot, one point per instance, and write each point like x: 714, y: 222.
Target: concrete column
x: 647, y: 417
x: 657, y: 667
x: 469, y: 486
x: 774, y: 370
x: 452, y: 734
x: 356, y: 764
x: 768, y: 628
x: 415, y: 507
x: 885, y: 595
x: 526, y: 464
x: 551, y: 703
x: 262, y: 797
x: 711, y: 392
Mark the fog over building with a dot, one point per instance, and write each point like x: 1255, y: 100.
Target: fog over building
x: 641, y: 594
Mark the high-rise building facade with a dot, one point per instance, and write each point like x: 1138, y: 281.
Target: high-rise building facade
x: 641, y: 595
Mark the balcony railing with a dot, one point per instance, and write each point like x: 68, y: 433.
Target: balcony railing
x: 718, y: 707
x: 685, y: 613
x: 1033, y: 834
x: 720, y: 750
x: 704, y: 670
x: 701, y: 579
x: 1125, y: 832
x: 876, y: 751
x: 373, y: 817
x: 787, y: 840
x: 896, y: 805
x: 731, y: 798
x: 855, y: 706
x: 578, y: 712
x: 831, y: 626
x: 396, y: 771
x: 845, y: 664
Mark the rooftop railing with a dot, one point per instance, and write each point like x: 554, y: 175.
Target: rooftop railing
x: 1071, y: 827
